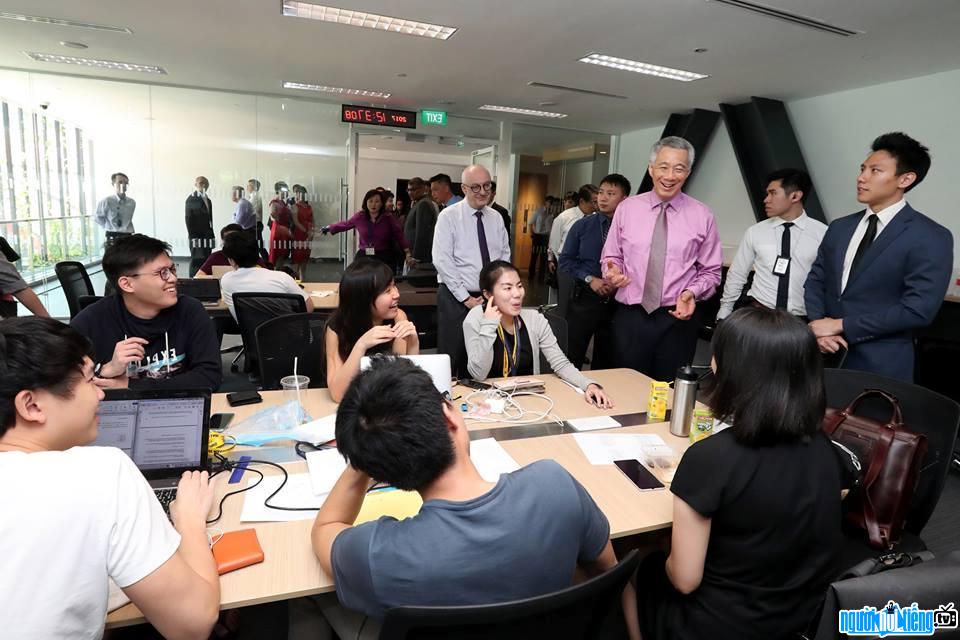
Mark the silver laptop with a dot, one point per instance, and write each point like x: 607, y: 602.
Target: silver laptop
x: 438, y: 366
x: 164, y: 432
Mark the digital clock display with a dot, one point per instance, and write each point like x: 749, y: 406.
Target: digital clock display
x: 378, y: 117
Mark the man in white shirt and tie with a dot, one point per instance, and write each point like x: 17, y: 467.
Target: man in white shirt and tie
x: 779, y: 250
x: 115, y: 212
x: 469, y: 234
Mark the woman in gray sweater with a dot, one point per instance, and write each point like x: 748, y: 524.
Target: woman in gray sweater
x: 504, y: 340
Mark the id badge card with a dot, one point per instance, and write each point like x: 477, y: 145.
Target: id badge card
x: 370, y: 251
x: 781, y: 266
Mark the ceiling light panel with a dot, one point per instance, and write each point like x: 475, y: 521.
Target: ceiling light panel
x: 295, y: 9
x: 347, y: 92
x: 97, y: 64
x: 642, y: 67
x: 522, y: 112
x: 63, y: 23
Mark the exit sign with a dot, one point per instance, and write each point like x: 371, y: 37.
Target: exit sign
x: 433, y: 117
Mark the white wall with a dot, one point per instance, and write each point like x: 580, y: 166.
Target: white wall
x: 835, y: 132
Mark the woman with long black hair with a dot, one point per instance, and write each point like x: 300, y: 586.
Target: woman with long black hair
x: 368, y: 320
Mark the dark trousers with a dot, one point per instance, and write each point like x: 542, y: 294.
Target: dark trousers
x: 589, y: 316
x: 450, y: 315
x: 655, y: 344
x: 659, y: 604
x: 200, y: 250
x: 565, y: 286
x: 538, y: 254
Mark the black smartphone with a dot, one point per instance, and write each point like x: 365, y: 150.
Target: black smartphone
x: 638, y: 474
x: 219, y: 421
x: 473, y: 384
x: 241, y: 398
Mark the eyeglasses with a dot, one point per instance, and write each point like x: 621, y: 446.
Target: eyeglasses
x: 477, y: 188
x: 164, y: 273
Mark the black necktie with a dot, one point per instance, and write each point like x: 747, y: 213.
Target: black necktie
x: 783, y: 287
x: 868, y: 239
x: 604, y: 230
x: 482, y: 236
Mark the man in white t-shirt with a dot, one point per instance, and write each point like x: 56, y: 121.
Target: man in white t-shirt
x: 241, y: 252
x: 74, y: 517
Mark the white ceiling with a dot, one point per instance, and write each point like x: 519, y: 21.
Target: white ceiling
x: 247, y: 45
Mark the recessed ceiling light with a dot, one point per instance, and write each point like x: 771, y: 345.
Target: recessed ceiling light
x: 295, y: 9
x: 548, y: 103
x: 347, y: 92
x: 700, y: 50
x: 99, y: 64
x: 522, y: 112
x: 603, y: 153
x: 72, y: 45
x: 63, y: 23
x: 642, y: 67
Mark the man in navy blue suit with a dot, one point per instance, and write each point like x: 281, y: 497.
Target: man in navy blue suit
x: 882, y: 272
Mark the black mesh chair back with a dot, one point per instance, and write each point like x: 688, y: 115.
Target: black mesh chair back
x: 924, y: 411
x: 558, y: 324
x: 86, y: 301
x: 577, y: 612
x: 75, y: 283
x: 253, y: 309
x: 282, y: 339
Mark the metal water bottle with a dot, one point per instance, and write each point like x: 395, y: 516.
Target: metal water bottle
x: 684, y: 400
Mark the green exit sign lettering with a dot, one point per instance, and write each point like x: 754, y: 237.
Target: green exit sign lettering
x: 434, y: 117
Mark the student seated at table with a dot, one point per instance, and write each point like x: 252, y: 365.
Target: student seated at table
x: 503, y: 339
x: 242, y: 253
x: 756, y: 507
x: 367, y: 321
x: 473, y: 542
x: 74, y: 516
x: 217, y: 258
x: 146, y: 336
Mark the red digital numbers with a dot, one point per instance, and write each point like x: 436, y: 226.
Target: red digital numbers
x: 383, y: 117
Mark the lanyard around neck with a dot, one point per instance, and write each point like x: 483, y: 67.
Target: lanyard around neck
x: 510, y: 365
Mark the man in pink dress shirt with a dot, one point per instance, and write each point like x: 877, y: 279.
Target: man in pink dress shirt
x: 662, y: 254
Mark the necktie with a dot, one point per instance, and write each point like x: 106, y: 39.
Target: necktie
x: 482, y: 236
x: 868, y: 239
x: 118, y: 219
x: 653, y: 282
x: 604, y: 230
x: 783, y: 287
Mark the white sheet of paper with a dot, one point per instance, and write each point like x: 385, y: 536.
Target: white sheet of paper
x: 298, y: 492
x: 326, y: 467
x: 604, y: 448
x: 491, y: 459
x: 318, y: 431
x: 322, y: 294
x: 116, y: 598
x: 594, y: 423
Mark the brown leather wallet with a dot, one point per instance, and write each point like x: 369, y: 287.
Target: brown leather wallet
x: 236, y: 550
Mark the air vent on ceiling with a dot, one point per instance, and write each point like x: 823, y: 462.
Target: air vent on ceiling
x: 780, y: 14
x: 586, y: 92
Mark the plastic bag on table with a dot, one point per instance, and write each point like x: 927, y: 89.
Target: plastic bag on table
x: 271, y: 424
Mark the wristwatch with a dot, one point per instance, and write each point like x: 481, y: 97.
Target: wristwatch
x: 588, y: 279
x: 97, y: 369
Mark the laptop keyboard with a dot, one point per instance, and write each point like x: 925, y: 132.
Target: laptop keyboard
x: 166, y: 496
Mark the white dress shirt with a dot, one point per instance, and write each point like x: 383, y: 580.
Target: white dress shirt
x: 257, y: 203
x: 115, y: 213
x: 883, y: 219
x: 456, y: 247
x: 561, y: 227
x: 542, y: 222
x: 759, y: 250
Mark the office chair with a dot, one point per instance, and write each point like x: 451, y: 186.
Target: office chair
x: 924, y: 411
x: 282, y: 339
x: 75, y: 282
x: 253, y: 309
x: 577, y: 612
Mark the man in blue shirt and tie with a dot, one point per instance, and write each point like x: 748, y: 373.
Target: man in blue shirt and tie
x: 590, y: 310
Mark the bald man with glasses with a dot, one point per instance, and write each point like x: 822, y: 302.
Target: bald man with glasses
x: 468, y: 236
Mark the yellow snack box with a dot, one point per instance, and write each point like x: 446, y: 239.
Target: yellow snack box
x: 657, y: 407
x: 701, y: 424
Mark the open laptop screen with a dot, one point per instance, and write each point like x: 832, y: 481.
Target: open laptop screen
x: 158, y: 433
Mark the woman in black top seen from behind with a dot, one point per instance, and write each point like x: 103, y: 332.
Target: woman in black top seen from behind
x: 756, y: 524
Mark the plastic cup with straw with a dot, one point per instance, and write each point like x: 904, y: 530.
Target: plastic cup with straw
x: 294, y: 383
